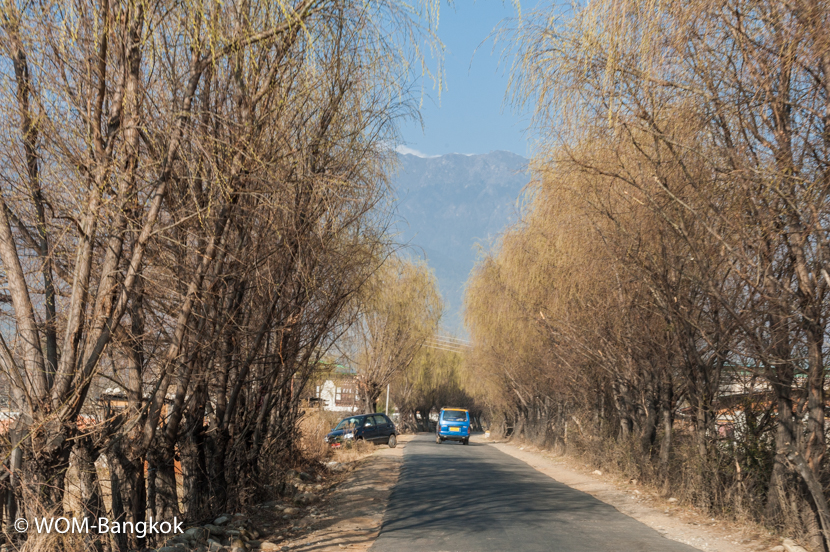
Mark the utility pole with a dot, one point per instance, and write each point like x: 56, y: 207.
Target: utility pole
x: 387, y: 399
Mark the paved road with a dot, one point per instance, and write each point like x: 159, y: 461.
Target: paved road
x: 452, y: 497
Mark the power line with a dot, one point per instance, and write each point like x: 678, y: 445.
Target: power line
x: 451, y: 340
x: 433, y: 346
x: 445, y: 343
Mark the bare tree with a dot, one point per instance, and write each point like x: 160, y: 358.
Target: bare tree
x: 194, y: 196
x: 685, y: 145
x: 399, y: 310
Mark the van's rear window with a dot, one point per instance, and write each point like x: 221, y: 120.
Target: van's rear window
x: 455, y: 416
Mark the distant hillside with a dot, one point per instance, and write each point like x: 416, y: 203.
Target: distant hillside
x: 452, y: 202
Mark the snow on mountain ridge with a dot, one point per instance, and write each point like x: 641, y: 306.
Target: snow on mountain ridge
x: 450, y: 203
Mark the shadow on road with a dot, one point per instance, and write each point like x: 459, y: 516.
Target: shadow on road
x: 475, y: 497
x: 446, y: 491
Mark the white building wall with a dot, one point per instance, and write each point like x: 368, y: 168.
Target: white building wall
x: 328, y: 392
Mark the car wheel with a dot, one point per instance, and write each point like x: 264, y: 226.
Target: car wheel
x: 393, y: 441
x: 467, y: 441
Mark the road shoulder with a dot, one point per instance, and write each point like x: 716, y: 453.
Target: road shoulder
x: 352, y: 517
x: 676, y: 522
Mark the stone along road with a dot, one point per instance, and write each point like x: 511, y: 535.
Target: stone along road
x: 452, y: 497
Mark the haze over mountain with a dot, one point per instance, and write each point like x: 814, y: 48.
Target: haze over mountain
x: 452, y: 202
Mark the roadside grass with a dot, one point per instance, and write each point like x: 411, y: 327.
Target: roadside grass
x: 313, y: 428
x: 358, y: 451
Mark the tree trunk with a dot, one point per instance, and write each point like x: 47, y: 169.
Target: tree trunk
x: 216, y: 443
x: 666, y: 422
x: 167, y: 496
x: 648, y: 421
x: 83, y: 458
x: 119, y: 540
x: 4, y: 490
x: 701, y: 428
x: 129, y: 468
x: 370, y: 400
x: 151, y: 486
x: 43, y: 470
x: 194, y: 468
x: 819, y: 507
x: 15, y: 461
x: 519, y: 424
x: 620, y: 390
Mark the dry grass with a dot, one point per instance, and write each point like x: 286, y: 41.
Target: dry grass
x: 358, y: 451
x: 313, y: 428
x: 50, y: 542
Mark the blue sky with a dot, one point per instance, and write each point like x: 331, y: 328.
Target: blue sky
x: 471, y: 115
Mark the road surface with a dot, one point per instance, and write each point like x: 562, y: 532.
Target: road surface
x: 452, y: 497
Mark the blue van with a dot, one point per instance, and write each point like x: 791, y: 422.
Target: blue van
x: 453, y: 425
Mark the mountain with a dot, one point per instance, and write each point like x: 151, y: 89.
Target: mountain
x: 451, y: 203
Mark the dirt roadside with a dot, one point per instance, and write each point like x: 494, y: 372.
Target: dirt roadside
x: 677, y: 522
x: 351, y: 517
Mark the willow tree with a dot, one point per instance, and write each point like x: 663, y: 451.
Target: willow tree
x: 715, y: 118
x: 398, y: 311
x: 436, y: 378
x: 545, y: 349
x: 191, y: 194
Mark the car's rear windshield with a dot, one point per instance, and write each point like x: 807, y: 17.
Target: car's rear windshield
x: 455, y: 416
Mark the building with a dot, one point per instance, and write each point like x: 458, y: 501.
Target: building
x: 336, y: 389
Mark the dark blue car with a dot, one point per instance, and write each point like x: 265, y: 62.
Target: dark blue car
x: 453, y: 425
x: 372, y: 428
